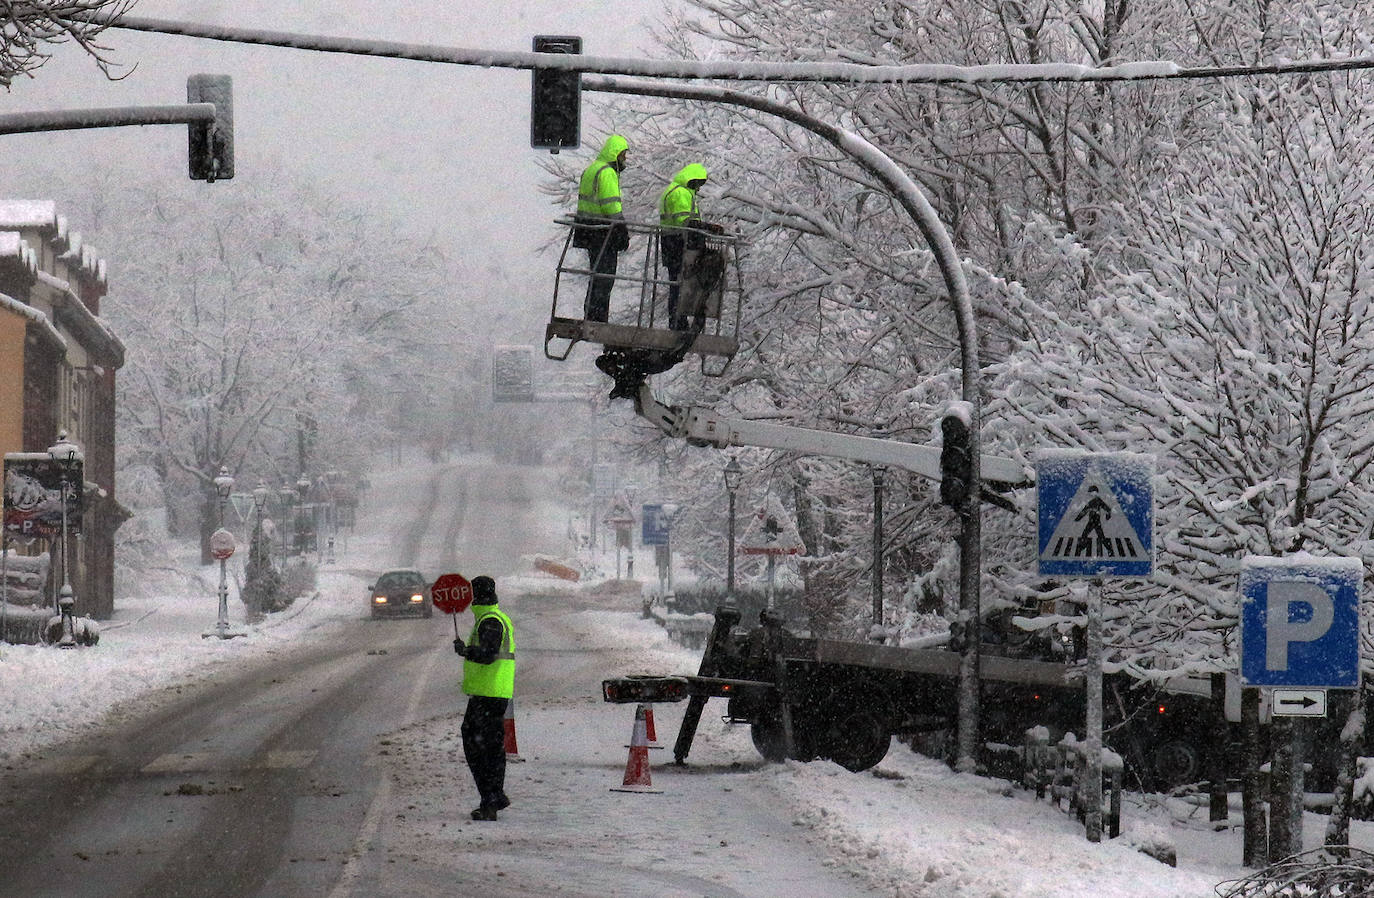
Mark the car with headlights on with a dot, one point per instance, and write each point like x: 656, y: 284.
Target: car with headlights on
x: 400, y: 591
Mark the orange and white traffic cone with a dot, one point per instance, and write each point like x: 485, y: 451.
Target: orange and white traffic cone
x: 512, y: 751
x: 650, y: 735
x: 637, y: 765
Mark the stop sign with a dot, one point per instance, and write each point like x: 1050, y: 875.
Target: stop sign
x: 221, y: 544
x: 452, y: 593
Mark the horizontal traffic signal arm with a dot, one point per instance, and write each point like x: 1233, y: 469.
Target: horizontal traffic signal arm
x: 111, y: 117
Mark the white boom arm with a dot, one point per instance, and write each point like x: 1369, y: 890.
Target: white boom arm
x: 704, y: 427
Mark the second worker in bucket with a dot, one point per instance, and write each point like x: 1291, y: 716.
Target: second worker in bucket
x: 489, y: 682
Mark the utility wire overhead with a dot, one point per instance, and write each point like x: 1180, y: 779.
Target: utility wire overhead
x: 685, y: 69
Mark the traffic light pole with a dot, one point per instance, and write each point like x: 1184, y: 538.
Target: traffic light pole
x: 208, y: 115
x: 111, y: 117
x: 903, y: 188
x: 909, y: 195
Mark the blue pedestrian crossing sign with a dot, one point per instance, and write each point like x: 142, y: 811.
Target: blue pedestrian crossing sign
x: 1096, y: 513
x: 1300, y: 621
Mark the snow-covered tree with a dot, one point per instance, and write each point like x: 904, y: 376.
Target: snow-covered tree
x: 1236, y: 345
x: 30, y: 28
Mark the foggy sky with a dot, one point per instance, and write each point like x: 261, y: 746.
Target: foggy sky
x: 445, y: 149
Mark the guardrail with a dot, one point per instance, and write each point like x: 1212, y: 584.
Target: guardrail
x: 1056, y: 771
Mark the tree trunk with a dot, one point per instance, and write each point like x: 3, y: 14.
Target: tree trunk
x: 1216, y: 754
x: 1352, y: 747
x: 1283, y: 841
x: 1256, y: 847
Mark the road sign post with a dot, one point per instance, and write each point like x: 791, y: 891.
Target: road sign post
x: 771, y: 532
x: 1096, y: 519
x: 1299, y: 632
x: 222, y: 549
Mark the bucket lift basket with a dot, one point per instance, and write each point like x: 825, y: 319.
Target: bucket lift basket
x: 709, y: 296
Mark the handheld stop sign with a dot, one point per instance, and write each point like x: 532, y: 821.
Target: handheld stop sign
x: 451, y: 594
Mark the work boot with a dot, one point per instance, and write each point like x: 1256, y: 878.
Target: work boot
x: 502, y: 802
x: 485, y: 812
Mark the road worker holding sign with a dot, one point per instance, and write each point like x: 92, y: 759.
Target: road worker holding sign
x: 489, y: 682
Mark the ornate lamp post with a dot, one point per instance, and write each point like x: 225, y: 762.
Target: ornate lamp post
x: 878, y: 475
x: 260, y: 496
x: 287, y: 494
x: 224, y: 484
x: 733, y: 475
x: 303, y: 489
x: 68, y: 455
x: 222, y: 548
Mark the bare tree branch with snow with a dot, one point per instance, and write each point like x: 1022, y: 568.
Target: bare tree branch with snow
x: 29, y: 29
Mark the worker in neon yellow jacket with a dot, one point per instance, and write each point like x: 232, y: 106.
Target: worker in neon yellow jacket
x: 677, y: 212
x: 601, y: 227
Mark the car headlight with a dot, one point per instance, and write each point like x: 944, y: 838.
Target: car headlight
x: 379, y: 600
x: 417, y: 598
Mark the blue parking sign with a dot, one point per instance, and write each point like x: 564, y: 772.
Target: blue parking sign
x: 1299, y: 621
x: 655, y: 526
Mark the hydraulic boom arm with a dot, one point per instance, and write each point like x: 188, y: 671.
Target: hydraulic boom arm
x: 705, y: 428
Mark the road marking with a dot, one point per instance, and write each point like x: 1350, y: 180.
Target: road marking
x: 68, y: 766
x: 372, y: 820
x: 281, y: 760
x: 181, y: 763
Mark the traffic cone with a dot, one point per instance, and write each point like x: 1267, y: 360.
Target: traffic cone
x: 637, y: 765
x: 512, y: 751
x: 650, y: 736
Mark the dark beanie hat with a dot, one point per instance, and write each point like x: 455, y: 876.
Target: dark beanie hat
x: 483, y: 591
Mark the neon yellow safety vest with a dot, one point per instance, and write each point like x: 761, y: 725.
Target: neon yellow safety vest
x: 677, y: 205
x: 497, y: 679
x: 598, y: 192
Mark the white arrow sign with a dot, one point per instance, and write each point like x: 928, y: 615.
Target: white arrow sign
x: 1299, y: 702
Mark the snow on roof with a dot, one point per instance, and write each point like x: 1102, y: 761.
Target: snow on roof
x: 30, y: 214
x: 84, y: 257
x: 34, y: 315
x: 14, y: 246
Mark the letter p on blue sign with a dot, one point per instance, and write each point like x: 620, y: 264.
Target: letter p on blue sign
x: 1299, y: 620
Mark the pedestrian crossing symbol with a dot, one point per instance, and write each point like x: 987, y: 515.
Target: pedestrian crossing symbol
x: 1096, y: 513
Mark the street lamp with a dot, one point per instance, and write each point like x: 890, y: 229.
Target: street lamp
x: 287, y: 494
x: 878, y: 477
x: 68, y: 455
x: 303, y: 488
x: 733, y: 475
x: 261, y: 494
x: 224, y: 484
x: 222, y: 548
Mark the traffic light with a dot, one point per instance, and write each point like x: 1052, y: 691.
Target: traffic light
x: 210, y: 148
x: 556, y: 99
x: 956, y: 461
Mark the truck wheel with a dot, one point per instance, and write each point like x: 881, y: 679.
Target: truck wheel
x: 858, y: 738
x: 767, y: 736
x: 1175, y: 762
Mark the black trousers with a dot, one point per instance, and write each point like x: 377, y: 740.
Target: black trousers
x: 484, y: 745
x: 670, y: 249
x: 603, y: 260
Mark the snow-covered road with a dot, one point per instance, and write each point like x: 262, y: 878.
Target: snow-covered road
x: 726, y: 825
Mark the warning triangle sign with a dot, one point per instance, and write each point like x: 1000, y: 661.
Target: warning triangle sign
x: 771, y: 531
x: 1094, y: 528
